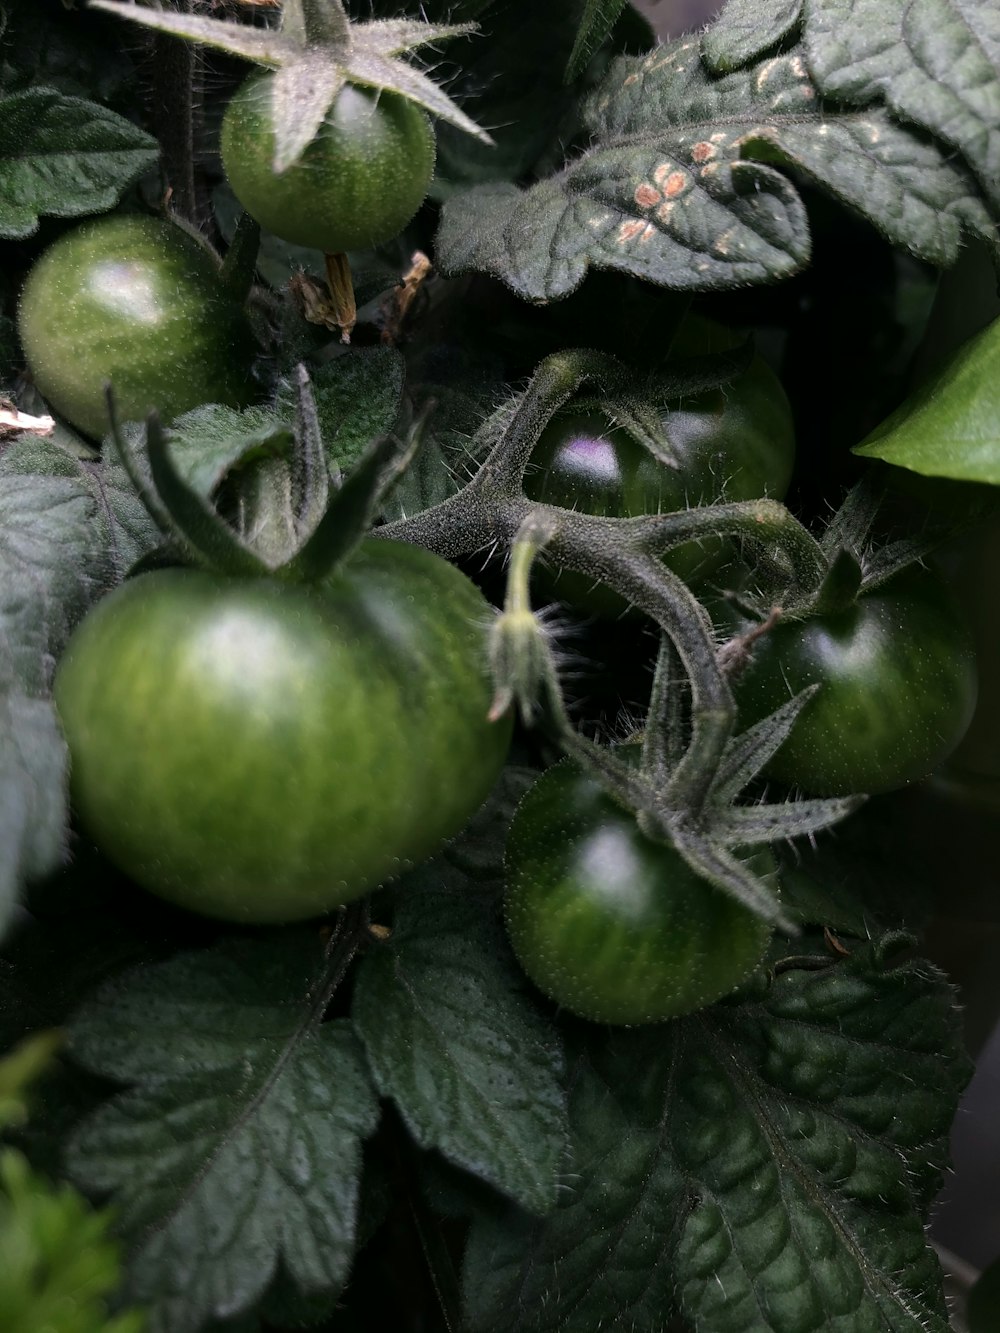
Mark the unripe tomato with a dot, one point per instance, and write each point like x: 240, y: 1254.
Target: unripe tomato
x: 137, y: 302
x: 732, y: 443
x: 897, y: 677
x: 259, y: 750
x: 611, y: 925
x: 357, y: 184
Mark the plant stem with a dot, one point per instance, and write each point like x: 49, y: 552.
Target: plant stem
x: 174, y: 78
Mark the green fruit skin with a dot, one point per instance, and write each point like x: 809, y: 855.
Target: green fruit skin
x: 612, y: 926
x: 259, y: 751
x: 733, y: 443
x: 137, y: 302
x: 897, y: 672
x: 357, y: 184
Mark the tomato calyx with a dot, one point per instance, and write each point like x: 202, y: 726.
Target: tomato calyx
x: 330, y: 515
x: 654, y: 781
x: 316, y: 50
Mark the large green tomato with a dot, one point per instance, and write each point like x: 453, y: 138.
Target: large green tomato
x: 897, y: 673
x: 137, y: 302
x: 611, y: 925
x: 357, y: 184
x: 259, y: 751
x: 733, y: 443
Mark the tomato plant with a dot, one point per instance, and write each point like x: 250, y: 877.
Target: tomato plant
x: 357, y: 184
x: 653, y: 1018
x: 611, y: 925
x: 309, y: 742
x: 897, y: 678
x: 135, y: 302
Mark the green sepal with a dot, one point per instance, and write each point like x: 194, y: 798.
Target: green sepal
x: 348, y: 516
x: 180, y: 510
x: 239, y: 266
x: 315, y: 52
x: 840, y: 587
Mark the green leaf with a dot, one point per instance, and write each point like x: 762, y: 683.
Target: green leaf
x: 745, y: 29
x: 132, y: 532
x: 357, y: 400
x: 951, y: 426
x: 240, y: 1144
x: 685, y: 184
x: 596, y: 25
x: 34, y: 769
x: 209, y: 443
x: 759, y: 1165
x: 936, y: 63
x: 453, y: 1037
x: 51, y: 568
x: 60, y: 1264
x: 64, y: 157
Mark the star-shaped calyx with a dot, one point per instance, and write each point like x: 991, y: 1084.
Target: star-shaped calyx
x: 316, y: 50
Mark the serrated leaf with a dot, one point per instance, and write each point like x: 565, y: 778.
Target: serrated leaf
x: 241, y: 1144
x: 50, y: 562
x: 951, y: 426
x: 596, y: 24
x: 682, y: 185
x: 34, y: 768
x: 745, y: 29
x: 56, y: 557
x: 208, y: 443
x: 357, y: 400
x: 454, y: 1039
x: 64, y: 157
x: 766, y: 1164
x: 936, y: 63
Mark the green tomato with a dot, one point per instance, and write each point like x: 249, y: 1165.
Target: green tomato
x: 733, y: 443
x: 897, y: 673
x: 611, y: 925
x: 137, y: 302
x: 258, y: 750
x: 356, y: 185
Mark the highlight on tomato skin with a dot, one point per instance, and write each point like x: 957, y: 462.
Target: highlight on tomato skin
x: 136, y: 302
x: 614, y: 927
x: 356, y: 185
x: 263, y: 751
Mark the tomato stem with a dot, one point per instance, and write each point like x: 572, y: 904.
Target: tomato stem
x: 344, y: 310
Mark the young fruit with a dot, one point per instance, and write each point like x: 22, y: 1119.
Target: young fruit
x: 612, y: 926
x: 732, y: 443
x: 137, y: 302
x: 897, y: 673
x: 356, y: 185
x: 260, y: 750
